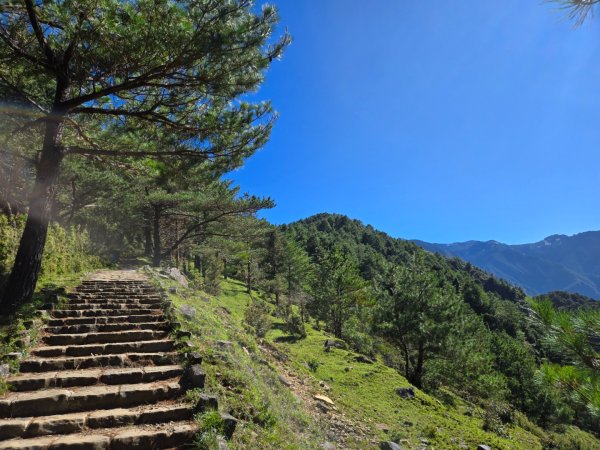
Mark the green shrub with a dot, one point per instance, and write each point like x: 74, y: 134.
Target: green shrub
x: 67, y: 251
x: 210, y: 428
x: 497, y: 415
x: 257, y: 318
x: 295, y: 325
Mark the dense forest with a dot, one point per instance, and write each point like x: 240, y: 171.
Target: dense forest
x: 115, y: 154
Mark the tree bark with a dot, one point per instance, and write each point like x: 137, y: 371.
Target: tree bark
x: 28, y: 261
x: 249, y: 276
x: 148, y: 232
x: 157, y: 258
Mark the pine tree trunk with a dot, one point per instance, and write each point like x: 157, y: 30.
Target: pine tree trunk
x: 157, y: 258
x: 147, y: 232
x: 248, y: 276
x: 28, y: 261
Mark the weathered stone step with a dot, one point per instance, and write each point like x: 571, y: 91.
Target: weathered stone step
x: 113, y: 348
x: 88, y: 377
x: 142, y: 318
x: 74, y: 313
x: 99, y: 328
x: 112, y: 296
x: 85, y: 362
x: 149, y: 437
x: 112, y: 301
x: 77, y: 422
x: 114, y: 305
x: 116, y: 291
x: 62, y: 401
x: 103, y: 337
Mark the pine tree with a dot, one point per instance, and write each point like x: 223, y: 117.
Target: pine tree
x: 131, y: 79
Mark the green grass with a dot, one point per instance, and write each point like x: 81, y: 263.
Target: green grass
x: 248, y: 388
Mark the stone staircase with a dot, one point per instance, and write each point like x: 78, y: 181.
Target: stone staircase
x: 106, y: 376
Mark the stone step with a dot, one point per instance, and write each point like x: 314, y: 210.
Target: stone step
x: 111, y: 301
x: 89, y: 377
x: 99, y: 328
x: 81, y: 421
x: 74, y: 313
x: 109, y: 295
x: 103, y: 337
x: 113, y: 348
x: 85, y: 362
x: 63, y: 401
x: 142, y: 318
x: 114, y: 305
x: 148, y: 437
x: 116, y: 291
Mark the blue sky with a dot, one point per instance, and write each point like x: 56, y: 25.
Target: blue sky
x: 441, y: 120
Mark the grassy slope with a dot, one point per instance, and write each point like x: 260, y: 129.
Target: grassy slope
x: 272, y: 417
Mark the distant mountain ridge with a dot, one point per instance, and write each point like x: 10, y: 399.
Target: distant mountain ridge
x: 556, y: 263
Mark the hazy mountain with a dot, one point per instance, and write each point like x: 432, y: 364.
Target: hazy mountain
x: 557, y: 263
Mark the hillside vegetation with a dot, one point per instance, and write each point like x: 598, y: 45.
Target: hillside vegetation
x: 271, y: 383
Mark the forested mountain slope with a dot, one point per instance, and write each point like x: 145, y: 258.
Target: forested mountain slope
x: 557, y: 263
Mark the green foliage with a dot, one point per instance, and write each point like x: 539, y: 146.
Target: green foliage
x: 420, y: 313
x: 497, y: 416
x: 295, y: 325
x: 338, y: 290
x: 70, y: 250
x: 211, y: 428
x: 257, y: 318
x: 575, y: 335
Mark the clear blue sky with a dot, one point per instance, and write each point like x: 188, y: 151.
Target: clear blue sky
x: 440, y: 120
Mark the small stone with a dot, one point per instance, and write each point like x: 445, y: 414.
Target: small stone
x: 222, y: 444
x: 284, y: 381
x: 324, y: 399
x: 229, y: 424
x: 406, y: 392
x: 224, y: 344
x: 364, y: 359
x: 389, y: 445
x: 323, y: 407
x: 483, y: 447
x: 207, y: 401
x: 194, y: 358
x: 183, y: 334
x: 4, y: 370
x: 328, y: 446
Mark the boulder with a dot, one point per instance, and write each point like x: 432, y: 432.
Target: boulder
x: 229, y: 424
x: 483, y: 447
x: 194, y: 358
x: 189, y: 312
x: 176, y: 275
x: 406, y: 392
x: 193, y: 377
x: 206, y: 402
x: 389, y: 445
x: 363, y: 359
